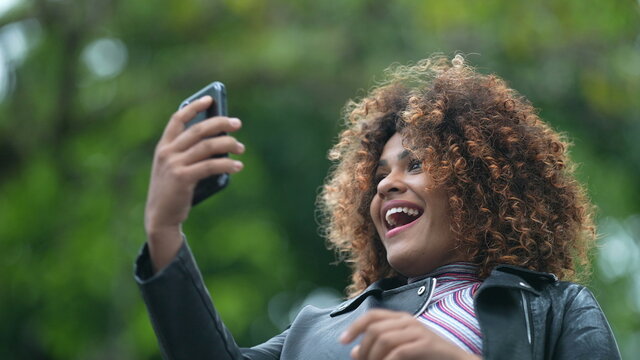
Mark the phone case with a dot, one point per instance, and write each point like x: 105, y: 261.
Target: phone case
x: 212, y: 184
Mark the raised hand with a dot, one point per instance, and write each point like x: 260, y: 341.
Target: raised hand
x: 183, y: 157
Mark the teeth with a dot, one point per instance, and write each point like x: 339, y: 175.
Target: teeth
x: 412, y: 212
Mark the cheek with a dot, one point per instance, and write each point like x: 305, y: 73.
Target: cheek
x: 441, y: 207
x: 374, y: 209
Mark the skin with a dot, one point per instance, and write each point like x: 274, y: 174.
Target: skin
x: 420, y: 248
x: 429, y: 242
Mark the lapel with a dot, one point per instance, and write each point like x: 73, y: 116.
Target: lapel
x: 391, y: 294
x: 502, y: 306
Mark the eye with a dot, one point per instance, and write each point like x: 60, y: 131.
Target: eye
x: 415, y: 165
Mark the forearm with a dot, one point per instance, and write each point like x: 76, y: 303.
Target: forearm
x: 181, y: 311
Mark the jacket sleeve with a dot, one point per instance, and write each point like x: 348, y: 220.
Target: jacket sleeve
x: 585, y: 331
x: 183, y: 316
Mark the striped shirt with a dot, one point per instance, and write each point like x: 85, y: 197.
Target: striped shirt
x: 450, y: 313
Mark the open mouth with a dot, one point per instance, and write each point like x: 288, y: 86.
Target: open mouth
x: 401, y: 215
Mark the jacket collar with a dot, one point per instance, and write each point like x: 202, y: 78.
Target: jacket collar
x: 527, y: 274
x: 514, y: 277
x: 394, y: 292
x: 504, y: 276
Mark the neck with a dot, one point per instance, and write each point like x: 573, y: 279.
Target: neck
x: 459, y: 270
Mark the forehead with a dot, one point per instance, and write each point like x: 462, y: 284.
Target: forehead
x: 393, y: 150
x: 393, y: 145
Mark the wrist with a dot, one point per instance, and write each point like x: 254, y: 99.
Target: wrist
x: 164, y: 243
x: 157, y: 234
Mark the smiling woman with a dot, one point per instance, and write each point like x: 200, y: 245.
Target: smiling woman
x: 410, y: 216
x: 451, y: 200
x: 511, y: 194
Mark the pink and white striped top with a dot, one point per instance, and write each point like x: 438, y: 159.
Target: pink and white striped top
x: 450, y: 312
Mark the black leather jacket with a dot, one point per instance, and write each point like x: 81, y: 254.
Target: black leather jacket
x: 522, y: 315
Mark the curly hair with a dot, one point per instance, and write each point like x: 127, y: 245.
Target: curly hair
x: 513, y: 197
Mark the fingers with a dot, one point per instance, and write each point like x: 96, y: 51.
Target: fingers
x: 208, y: 128
x: 360, y: 325
x: 388, y: 344
x: 210, y: 147
x: 382, y: 331
x: 383, y: 336
x: 180, y: 117
x: 206, y: 168
x: 393, y: 335
x: 408, y: 350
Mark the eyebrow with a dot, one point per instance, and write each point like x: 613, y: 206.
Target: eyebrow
x: 401, y: 156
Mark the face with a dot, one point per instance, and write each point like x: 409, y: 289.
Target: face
x: 412, y: 222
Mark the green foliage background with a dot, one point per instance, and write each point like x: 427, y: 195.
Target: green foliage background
x: 86, y: 88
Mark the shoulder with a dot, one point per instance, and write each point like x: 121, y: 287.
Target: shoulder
x: 567, y: 320
x: 540, y: 283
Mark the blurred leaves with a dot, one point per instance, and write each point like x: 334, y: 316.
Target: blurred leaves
x: 86, y: 88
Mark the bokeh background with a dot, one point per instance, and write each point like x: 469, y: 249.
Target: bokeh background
x: 86, y: 88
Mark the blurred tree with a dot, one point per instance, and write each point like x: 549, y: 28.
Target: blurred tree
x: 87, y: 86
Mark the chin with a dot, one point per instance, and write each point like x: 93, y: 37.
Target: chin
x: 401, y: 265
x: 411, y: 265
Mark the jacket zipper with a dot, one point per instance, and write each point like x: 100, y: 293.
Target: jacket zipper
x: 426, y: 303
x: 526, y: 315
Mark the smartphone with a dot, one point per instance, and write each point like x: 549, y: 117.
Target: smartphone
x: 212, y: 184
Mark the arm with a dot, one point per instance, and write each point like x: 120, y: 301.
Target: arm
x: 182, y: 313
x: 183, y: 157
x: 183, y: 316
x: 585, y: 331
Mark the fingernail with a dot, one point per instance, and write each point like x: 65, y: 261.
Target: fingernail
x: 237, y: 165
x: 205, y: 98
x: 241, y: 146
x: 354, y: 352
x: 235, y: 122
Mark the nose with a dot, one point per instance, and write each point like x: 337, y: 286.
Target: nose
x: 392, y: 183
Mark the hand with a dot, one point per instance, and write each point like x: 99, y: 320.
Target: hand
x: 393, y: 335
x: 183, y: 157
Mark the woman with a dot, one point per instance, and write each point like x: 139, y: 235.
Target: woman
x: 454, y: 205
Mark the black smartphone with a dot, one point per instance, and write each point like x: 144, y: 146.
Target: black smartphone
x: 212, y: 184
